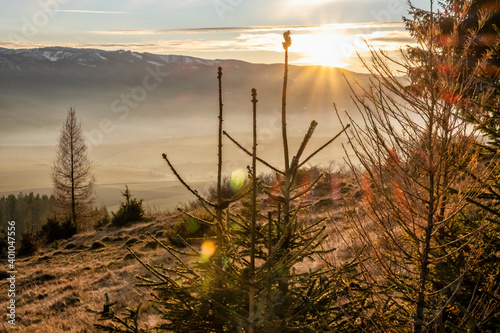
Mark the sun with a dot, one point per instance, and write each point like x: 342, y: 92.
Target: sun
x: 324, y: 49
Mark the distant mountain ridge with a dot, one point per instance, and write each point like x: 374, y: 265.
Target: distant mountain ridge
x: 144, y: 94
x: 19, y: 59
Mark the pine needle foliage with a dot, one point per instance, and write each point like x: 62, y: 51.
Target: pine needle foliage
x: 252, y: 275
x: 127, y: 323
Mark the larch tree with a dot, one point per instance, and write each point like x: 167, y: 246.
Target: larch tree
x: 414, y: 156
x: 72, y: 173
x: 469, y: 36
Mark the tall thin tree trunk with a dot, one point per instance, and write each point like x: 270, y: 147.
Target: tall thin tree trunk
x: 424, y: 263
x: 286, y: 45
x: 73, y: 199
x: 251, y: 292
x: 283, y: 283
x: 424, y: 269
x: 219, y: 154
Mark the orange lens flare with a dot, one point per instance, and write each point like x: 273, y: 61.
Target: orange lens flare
x: 207, y: 249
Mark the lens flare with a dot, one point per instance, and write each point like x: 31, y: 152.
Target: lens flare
x: 192, y: 226
x: 238, y: 177
x: 207, y: 249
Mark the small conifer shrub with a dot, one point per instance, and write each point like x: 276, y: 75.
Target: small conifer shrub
x: 130, y: 211
x: 55, y: 229
x: 28, y: 245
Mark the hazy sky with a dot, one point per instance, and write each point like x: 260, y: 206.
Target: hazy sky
x: 325, y: 32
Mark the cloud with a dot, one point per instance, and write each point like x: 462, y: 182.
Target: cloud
x: 104, y: 46
x: 89, y: 11
x: 363, y: 25
x: 308, y: 2
x: 201, y: 30
x: 243, y: 42
x: 393, y: 38
x: 269, y: 29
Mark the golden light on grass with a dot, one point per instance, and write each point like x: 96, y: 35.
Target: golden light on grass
x: 207, y: 249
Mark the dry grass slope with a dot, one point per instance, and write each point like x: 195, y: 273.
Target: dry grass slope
x: 57, y: 286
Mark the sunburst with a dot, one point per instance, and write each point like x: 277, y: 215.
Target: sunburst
x: 324, y: 48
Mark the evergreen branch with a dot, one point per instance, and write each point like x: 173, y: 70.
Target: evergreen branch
x: 208, y: 209
x: 171, y: 250
x: 243, y: 192
x: 195, y: 218
x: 278, y: 198
x: 153, y: 270
x: 275, y: 250
x: 250, y: 154
x: 305, y: 141
x: 308, y: 230
x: 305, y: 247
x: 214, y: 265
x: 194, y: 192
x: 323, y: 146
x: 308, y: 189
x: 224, y: 307
x: 231, y: 243
x: 162, y: 277
x: 186, y: 243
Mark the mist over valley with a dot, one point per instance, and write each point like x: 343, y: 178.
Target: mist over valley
x: 135, y: 106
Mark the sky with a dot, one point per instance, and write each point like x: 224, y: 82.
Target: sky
x: 324, y: 32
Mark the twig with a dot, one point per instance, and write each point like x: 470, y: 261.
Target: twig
x: 195, y: 193
x: 323, y: 146
x: 250, y: 154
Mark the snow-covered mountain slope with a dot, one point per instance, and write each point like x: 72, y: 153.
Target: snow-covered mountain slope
x: 22, y: 58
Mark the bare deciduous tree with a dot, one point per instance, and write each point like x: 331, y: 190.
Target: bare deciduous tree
x: 71, y: 173
x: 415, y: 154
